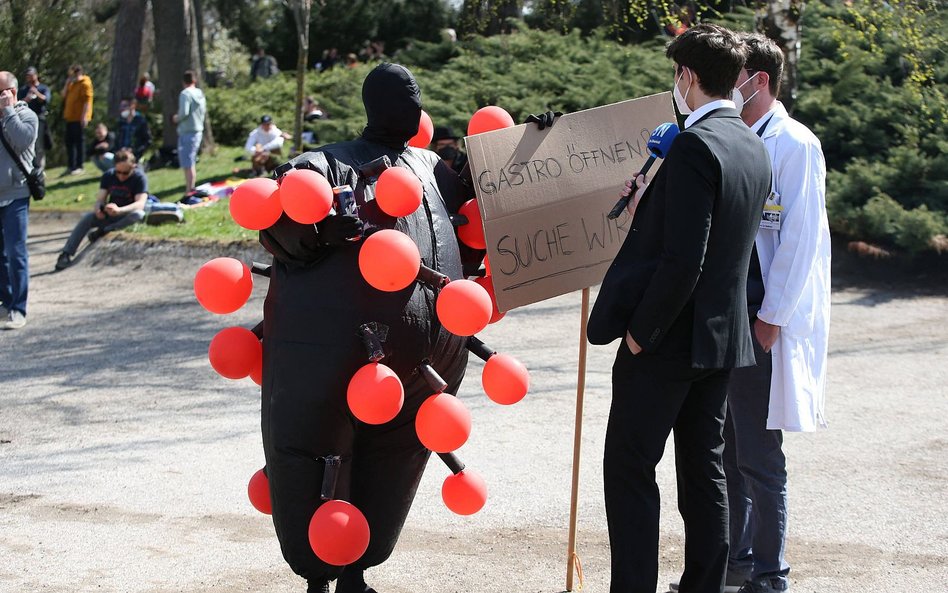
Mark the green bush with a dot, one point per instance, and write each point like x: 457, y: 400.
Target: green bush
x: 888, y: 222
x: 883, y: 125
x: 873, y: 91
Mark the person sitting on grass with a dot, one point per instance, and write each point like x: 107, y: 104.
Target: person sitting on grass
x: 264, y: 145
x: 123, y: 192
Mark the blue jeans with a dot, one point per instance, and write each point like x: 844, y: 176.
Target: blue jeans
x: 756, y: 471
x: 107, y: 224
x: 14, y: 261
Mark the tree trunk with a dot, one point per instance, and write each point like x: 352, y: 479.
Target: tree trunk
x: 781, y: 22
x: 500, y: 11
x: 177, y: 49
x: 301, y: 13
x: 489, y: 17
x: 126, y: 53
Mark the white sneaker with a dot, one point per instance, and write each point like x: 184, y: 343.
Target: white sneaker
x: 15, y: 320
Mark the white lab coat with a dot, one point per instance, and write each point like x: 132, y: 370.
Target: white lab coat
x: 795, y: 266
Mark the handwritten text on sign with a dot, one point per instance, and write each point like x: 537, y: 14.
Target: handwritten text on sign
x: 544, y: 196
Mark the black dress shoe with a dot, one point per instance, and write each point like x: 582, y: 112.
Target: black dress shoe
x: 353, y: 581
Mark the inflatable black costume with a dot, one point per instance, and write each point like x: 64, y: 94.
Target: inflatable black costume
x: 316, y: 304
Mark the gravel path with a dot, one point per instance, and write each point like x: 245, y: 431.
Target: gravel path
x: 124, y: 458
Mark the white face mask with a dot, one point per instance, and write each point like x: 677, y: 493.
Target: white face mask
x: 124, y: 114
x: 680, y: 101
x: 738, y: 98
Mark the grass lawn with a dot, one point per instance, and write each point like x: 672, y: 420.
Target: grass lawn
x: 209, y: 224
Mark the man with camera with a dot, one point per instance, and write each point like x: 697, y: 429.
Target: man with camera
x: 37, y: 95
x: 19, y: 125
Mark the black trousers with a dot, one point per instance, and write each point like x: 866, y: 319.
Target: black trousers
x: 650, y: 399
x: 75, y: 145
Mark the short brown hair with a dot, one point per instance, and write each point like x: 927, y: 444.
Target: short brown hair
x: 764, y: 55
x: 190, y: 77
x: 124, y: 155
x: 714, y: 53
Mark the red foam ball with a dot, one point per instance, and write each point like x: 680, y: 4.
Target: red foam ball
x: 443, y: 423
x: 306, y: 196
x: 398, y: 191
x: 259, y: 492
x: 464, y: 307
x: 256, y: 375
x: 488, y: 119
x: 223, y: 285
x: 486, y: 282
x: 464, y: 493
x: 472, y: 232
x: 505, y: 379
x: 389, y: 260
x: 255, y: 204
x: 425, y: 132
x: 375, y: 394
x: 235, y: 352
x: 338, y: 533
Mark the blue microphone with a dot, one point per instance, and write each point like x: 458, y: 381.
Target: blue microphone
x: 658, y: 145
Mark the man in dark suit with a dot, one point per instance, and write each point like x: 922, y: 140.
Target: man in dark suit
x: 676, y: 296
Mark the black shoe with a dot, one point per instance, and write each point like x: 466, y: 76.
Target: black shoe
x: 352, y: 580
x: 317, y: 587
x: 95, y: 234
x: 63, y: 261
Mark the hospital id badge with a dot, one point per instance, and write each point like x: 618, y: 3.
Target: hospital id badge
x: 773, y: 212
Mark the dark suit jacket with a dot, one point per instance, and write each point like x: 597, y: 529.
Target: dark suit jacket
x: 678, y: 284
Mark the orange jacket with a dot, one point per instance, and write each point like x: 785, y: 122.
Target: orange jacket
x: 78, y: 93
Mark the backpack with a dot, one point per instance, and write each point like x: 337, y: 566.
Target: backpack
x: 157, y: 212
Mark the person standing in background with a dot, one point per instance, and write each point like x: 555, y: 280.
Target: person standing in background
x: 37, y: 95
x: 77, y: 111
x: 788, y: 297
x: 18, y: 125
x: 192, y: 108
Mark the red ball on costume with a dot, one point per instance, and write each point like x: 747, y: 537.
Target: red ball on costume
x: 235, y: 352
x: 389, y: 260
x: 223, y: 285
x: 472, y: 232
x: 425, y: 132
x: 464, y: 493
x: 464, y: 307
x: 505, y: 379
x: 255, y: 204
x: 486, y: 282
x: 398, y: 191
x: 259, y: 492
x: 338, y: 533
x: 375, y: 394
x: 256, y: 375
x: 488, y: 119
x: 306, y: 196
x: 443, y: 423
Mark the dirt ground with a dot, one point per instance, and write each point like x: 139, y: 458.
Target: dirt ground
x: 124, y: 458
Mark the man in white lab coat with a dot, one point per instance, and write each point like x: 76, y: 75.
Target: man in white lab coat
x: 789, y: 300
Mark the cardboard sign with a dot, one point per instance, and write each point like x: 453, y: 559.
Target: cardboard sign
x: 544, y: 196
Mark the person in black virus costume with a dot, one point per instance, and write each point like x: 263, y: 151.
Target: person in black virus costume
x: 316, y: 303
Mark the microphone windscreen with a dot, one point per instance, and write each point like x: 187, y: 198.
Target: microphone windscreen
x: 661, y: 139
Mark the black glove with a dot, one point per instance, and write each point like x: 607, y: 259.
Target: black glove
x: 341, y: 229
x: 544, y: 120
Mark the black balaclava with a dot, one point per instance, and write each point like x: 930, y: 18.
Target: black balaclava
x: 392, y: 105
